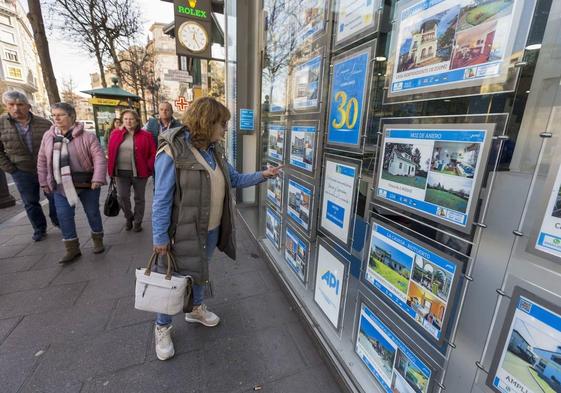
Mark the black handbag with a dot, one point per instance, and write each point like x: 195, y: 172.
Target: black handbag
x: 111, y: 207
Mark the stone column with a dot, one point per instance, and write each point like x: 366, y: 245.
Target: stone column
x: 6, y: 200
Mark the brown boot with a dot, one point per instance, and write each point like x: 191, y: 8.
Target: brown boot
x: 97, y: 239
x: 72, y: 251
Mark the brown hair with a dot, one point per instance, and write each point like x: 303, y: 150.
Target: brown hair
x: 115, y: 120
x: 135, y: 115
x: 201, y: 117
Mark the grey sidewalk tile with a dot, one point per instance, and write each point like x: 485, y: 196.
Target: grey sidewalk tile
x: 39, y: 300
x: 18, y: 264
x: 270, y: 280
x: 317, y: 380
x: 239, y: 363
x: 22, y: 281
x: 267, y: 310
x: 222, y: 266
x: 238, y: 286
x: 71, y: 364
x: 111, y: 287
x: 92, y: 267
x: 69, y: 325
x: 11, y: 251
x: 6, y: 327
x: 304, y: 343
x: 182, y: 374
x: 184, y: 341
x: 125, y: 314
x: 15, y: 367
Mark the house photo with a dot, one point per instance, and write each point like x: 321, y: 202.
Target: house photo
x: 390, y: 264
x: 432, y: 277
x: 452, y: 192
x: 406, y: 163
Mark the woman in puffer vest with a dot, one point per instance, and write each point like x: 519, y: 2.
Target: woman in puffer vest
x: 72, y: 165
x: 192, y: 211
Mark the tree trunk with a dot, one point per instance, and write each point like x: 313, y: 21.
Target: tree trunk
x: 101, y: 69
x: 36, y: 19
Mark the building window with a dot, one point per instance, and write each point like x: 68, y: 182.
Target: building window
x: 8, y: 37
x: 5, y: 20
x: 10, y: 55
x: 15, y: 73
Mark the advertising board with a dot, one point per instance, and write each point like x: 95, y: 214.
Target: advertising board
x: 310, y: 19
x: 303, y: 138
x: 528, y: 352
x: 448, y: 47
x: 392, y: 363
x: 354, y: 17
x: 300, y: 202
x: 275, y: 191
x: 434, y: 170
x: 420, y: 281
x: 306, y: 84
x: 339, y: 191
x: 275, y: 145
x: 296, y: 253
x: 273, y: 226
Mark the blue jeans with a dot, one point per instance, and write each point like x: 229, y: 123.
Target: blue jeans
x: 198, y: 290
x: 29, y: 189
x: 65, y: 212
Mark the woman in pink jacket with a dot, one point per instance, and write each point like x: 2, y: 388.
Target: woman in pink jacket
x: 72, y: 165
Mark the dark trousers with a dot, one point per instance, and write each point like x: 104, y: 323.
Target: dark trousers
x: 29, y: 190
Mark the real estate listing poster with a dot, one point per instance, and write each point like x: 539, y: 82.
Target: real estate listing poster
x: 300, y: 200
x: 275, y: 147
x: 548, y: 239
x: 391, y: 362
x: 420, y: 281
x: 529, y: 350
x: 329, y: 284
x: 347, y: 98
x: 273, y: 227
x: 274, y: 90
x: 310, y: 19
x: 354, y: 17
x: 296, y: 253
x: 303, y: 146
x: 306, y: 84
x: 274, y: 191
x: 434, y: 170
x: 339, y: 190
x: 454, y: 44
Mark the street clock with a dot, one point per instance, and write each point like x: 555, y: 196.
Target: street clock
x: 193, y: 36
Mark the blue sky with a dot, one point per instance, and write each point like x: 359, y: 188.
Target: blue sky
x: 373, y: 333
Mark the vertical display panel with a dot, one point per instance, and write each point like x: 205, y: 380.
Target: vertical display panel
x: 434, y: 170
x: 392, y: 363
x: 303, y: 145
x: 300, y: 203
x: 338, y: 199
x: 273, y: 225
x: 330, y: 285
x: 354, y: 19
x: 310, y: 19
x: 455, y: 47
x: 528, y: 354
x: 275, y: 190
x: 277, y: 137
x: 296, y: 253
x: 416, y: 278
x: 306, y: 84
x: 347, y: 98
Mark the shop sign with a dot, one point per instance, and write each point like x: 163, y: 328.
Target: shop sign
x: 329, y: 285
x: 107, y: 102
x: 178, y: 76
x: 199, y: 9
x: 247, y: 117
x: 392, y: 363
x: 181, y: 103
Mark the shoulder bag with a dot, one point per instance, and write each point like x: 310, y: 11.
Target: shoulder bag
x: 111, y: 207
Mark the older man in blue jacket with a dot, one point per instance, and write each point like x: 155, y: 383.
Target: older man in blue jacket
x: 164, y: 122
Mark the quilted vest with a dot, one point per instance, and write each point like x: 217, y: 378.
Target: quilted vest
x: 191, y: 207
x: 17, y: 154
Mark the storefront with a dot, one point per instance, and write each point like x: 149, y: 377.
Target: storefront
x: 418, y: 222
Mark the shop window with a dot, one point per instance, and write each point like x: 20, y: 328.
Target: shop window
x: 11, y: 55
x: 15, y: 73
x: 8, y: 37
x: 5, y: 20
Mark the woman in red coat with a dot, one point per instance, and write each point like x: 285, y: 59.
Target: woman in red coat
x: 131, y: 162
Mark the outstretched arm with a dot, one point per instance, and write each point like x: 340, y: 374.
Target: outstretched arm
x: 242, y: 180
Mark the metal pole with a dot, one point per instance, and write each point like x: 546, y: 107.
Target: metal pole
x: 6, y: 200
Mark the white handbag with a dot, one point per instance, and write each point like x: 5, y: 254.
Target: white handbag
x: 161, y: 293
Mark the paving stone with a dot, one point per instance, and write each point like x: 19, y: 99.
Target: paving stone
x: 39, y: 300
x: 18, y: 264
x: 125, y: 314
x: 92, y: 267
x: 11, y: 251
x: 305, y: 344
x: 266, y: 310
x: 316, y: 380
x: 71, y: 364
x: 15, y: 367
x: 111, y: 287
x: 6, y: 327
x: 22, y: 281
x: 180, y: 374
x: 238, y: 286
x: 67, y: 325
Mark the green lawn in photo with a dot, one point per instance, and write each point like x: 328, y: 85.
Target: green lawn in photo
x: 522, y: 371
x: 446, y: 199
x: 543, y: 384
x: 416, y: 378
x: 417, y: 181
x: 394, y: 278
x: 484, y: 12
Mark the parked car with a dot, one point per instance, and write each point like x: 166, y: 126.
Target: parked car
x: 89, y: 125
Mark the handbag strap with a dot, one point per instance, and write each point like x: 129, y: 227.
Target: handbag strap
x: 171, y: 264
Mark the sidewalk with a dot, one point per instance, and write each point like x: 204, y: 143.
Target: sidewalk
x: 74, y: 329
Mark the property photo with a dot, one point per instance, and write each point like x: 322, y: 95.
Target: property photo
x: 400, y: 385
x: 533, y: 354
x: 276, y: 142
x: 377, y: 348
x: 299, y: 199
x: 430, y: 41
x: 302, y: 149
x: 429, y: 308
x: 273, y: 227
x: 556, y: 212
x: 274, y: 190
x: 306, y: 84
x: 411, y: 373
x: 481, y: 11
x: 390, y: 264
x: 476, y: 46
x: 447, y: 191
x: 432, y: 278
x: 296, y: 254
x: 406, y: 163
x: 455, y: 158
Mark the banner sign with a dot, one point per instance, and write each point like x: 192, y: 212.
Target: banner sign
x: 300, y: 199
x: 434, y: 170
x: 303, y: 146
x: 347, y: 99
x: 273, y: 227
x: 528, y: 353
x: 390, y: 361
x: 417, y: 280
x: 275, y: 149
x: 296, y: 253
x: 328, y: 292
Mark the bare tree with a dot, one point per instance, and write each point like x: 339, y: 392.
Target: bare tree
x: 35, y: 16
x: 69, y: 94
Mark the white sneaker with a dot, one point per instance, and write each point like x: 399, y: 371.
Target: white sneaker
x: 201, y: 315
x: 164, y: 345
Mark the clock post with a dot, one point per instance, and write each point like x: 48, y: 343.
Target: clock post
x: 193, y: 28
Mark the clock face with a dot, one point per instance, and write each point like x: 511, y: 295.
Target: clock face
x: 193, y: 36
